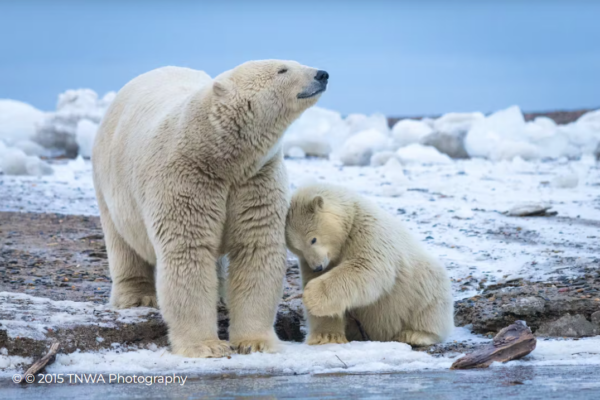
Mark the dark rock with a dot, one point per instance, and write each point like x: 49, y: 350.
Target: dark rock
x: 536, y: 303
x: 569, y: 326
x: 596, y: 318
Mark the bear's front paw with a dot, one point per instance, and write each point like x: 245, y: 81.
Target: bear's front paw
x: 417, y: 338
x: 247, y: 346
x: 326, y: 338
x: 320, y: 303
x: 134, y: 300
x: 204, y: 349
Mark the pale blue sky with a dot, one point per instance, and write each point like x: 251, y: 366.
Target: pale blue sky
x: 395, y: 57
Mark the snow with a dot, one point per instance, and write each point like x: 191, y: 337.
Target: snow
x: 26, y: 316
x: 419, y: 154
x: 299, y: 358
x: 410, y: 131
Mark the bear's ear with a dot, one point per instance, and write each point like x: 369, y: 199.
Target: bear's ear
x: 221, y: 88
x: 316, y: 204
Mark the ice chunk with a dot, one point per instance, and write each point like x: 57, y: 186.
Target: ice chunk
x: 456, y: 124
x: 505, y: 135
x: 450, y: 131
x: 296, y: 152
x: 360, y: 122
x: 409, y: 131
x: 585, y: 132
x: 382, y: 157
x: 58, y: 130
x: 359, y: 148
x: 311, y: 147
x: 446, y: 143
x: 86, y: 132
x: 485, y: 135
x: 565, y: 181
x: 37, y: 167
x: 30, y: 148
x: 13, y: 161
x: 395, y: 183
x: 508, y: 150
x: 317, y: 132
x: 17, y: 121
x: 463, y: 213
x: 419, y: 154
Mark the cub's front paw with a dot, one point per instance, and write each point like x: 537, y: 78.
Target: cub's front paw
x: 247, y: 346
x: 204, y: 349
x: 326, y: 338
x: 320, y: 303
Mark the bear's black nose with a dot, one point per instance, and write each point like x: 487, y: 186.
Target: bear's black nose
x: 320, y: 267
x: 322, y: 76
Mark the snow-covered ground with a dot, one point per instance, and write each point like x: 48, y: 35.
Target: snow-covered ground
x: 415, y: 170
x: 456, y: 208
x: 298, y: 358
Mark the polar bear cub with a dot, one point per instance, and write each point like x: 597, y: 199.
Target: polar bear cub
x: 364, y: 276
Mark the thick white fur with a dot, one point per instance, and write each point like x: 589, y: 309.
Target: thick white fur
x: 374, y: 272
x: 186, y: 169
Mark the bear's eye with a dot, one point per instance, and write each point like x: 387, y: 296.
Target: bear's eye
x: 282, y: 71
x: 313, y: 241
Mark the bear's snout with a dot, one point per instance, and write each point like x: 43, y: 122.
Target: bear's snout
x: 318, y: 268
x: 322, y: 76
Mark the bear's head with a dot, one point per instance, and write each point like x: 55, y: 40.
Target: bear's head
x: 316, y: 228
x: 269, y: 93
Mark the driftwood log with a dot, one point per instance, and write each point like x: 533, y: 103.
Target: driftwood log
x: 511, y: 343
x: 42, y: 362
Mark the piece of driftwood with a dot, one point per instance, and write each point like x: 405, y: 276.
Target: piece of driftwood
x: 511, y: 343
x: 42, y: 362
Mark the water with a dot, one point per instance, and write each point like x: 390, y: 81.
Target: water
x: 573, y: 382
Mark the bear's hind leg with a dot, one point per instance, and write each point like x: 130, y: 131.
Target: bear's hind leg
x: 132, y: 277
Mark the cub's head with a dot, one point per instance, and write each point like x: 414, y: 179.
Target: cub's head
x: 270, y: 90
x: 316, y: 228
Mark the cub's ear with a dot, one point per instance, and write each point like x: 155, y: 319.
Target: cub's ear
x: 222, y: 88
x: 316, y: 204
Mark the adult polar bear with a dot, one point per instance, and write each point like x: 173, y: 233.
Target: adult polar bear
x: 187, y: 169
